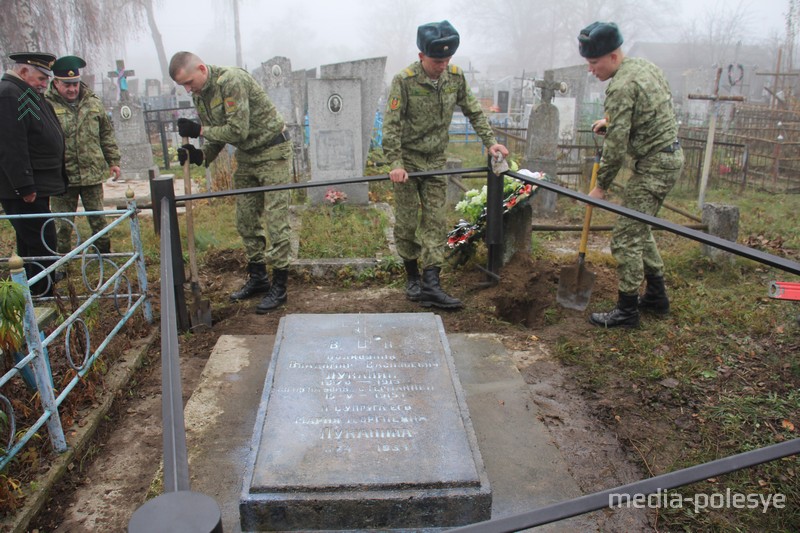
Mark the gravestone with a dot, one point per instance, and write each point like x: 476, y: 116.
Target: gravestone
x: 363, y: 425
x: 136, y: 154
x: 152, y: 88
x: 287, y: 91
x: 335, y: 146
x: 723, y: 222
x: 371, y: 73
x: 541, y: 152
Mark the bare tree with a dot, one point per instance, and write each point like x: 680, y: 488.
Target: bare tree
x: 80, y: 27
x: 393, y: 32
x: 718, y: 32
x: 158, y: 42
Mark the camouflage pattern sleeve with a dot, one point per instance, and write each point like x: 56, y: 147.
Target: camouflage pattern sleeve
x: 108, y: 142
x: 236, y: 126
x: 619, y: 113
x: 472, y: 110
x: 393, y: 123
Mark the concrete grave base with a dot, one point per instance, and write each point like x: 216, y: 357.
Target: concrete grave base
x: 363, y: 424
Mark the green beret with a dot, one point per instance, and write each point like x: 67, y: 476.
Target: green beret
x: 67, y: 69
x: 437, y: 39
x: 40, y: 60
x: 598, y: 39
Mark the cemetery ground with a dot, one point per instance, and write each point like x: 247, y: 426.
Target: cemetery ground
x: 720, y: 375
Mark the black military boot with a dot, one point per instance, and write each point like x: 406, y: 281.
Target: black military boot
x: 654, y: 300
x: 257, y: 283
x: 625, y: 315
x: 432, y: 293
x: 276, y: 294
x: 413, y: 290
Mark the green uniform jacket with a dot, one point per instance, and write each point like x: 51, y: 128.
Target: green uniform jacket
x: 90, y: 144
x: 234, y: 109
x: 641, y: 120
x: 418, y: 114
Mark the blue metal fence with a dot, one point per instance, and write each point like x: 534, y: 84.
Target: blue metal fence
x: 104, y: 276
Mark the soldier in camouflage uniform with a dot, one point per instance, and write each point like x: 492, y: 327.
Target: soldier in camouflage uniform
x: 640, y: 121
x: 91, y: 149
x: 234, y: 109
x: 415, y: 136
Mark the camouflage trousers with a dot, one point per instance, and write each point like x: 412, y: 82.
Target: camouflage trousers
x: 632, y: 243
x: 420, y: 217
x: 91, y: 196
x: 252, y: 209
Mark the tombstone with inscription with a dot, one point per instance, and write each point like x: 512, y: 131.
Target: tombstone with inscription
x: 363, y: 424
x: 371, y: 73
x: 336, y: 118
x: 136, y: 154
x: 335, y: 151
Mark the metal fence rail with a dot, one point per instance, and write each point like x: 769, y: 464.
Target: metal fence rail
x: 104, y: 276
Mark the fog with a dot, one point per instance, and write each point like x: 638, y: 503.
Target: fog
x: 317, y: 32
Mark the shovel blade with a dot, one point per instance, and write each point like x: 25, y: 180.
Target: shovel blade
x: 575, y: 287
x: 199, y: 309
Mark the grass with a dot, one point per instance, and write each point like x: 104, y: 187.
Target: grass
x: 343, y: 231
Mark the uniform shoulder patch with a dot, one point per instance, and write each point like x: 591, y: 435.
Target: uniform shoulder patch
x: 407, y: 73
x: 230, y: 105
x: 455, y: 69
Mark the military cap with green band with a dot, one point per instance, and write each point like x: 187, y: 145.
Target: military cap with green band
x: 437, y: 39
x: 67, y: 69
x: 598, y: 39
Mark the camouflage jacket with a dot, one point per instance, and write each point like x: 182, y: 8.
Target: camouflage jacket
x: 89, y: 137
x: 234, y: 109
x: 418, y: 114
x: 641, y: 120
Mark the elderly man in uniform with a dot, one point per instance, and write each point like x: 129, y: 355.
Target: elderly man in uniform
x: 91, y: 151
x: 415, y: 136
x: 31, y: 158
x: 234, y: 109
x: 640, y: 121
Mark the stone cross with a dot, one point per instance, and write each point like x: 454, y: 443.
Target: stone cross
x: 122, y: 79
x: 549, y: 87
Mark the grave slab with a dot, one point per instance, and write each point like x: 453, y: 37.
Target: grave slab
x: 363, y: 424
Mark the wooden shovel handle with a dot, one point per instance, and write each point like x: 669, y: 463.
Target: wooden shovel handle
x: 187, y: 187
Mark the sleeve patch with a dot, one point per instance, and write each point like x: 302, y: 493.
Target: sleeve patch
x: 230, y: 105
x: 394, y: 104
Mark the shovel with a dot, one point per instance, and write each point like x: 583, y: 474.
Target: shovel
x: 199, y: 309
x: 575, y: 282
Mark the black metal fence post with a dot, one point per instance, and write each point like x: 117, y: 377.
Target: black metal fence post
x: 494, y: 221
x: 167, y: 202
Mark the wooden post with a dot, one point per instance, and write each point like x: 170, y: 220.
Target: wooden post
x: 712, y: 126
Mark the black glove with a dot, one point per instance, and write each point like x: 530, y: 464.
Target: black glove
x: 193, y: 154
x: 188, y: 128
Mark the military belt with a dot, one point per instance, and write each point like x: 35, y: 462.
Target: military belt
x: 674, y: 147
x: 280, y: 138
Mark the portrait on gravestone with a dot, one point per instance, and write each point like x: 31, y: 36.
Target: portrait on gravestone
x: 335, y: 103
